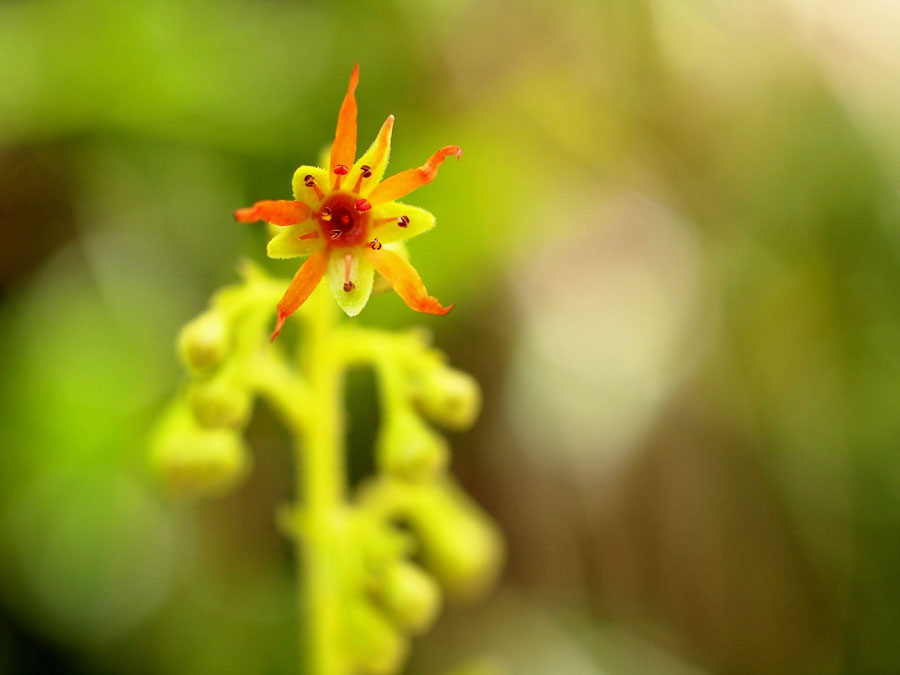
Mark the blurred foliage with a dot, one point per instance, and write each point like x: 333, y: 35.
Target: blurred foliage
x: 673, y: 242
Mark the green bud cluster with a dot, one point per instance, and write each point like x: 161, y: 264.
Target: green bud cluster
x: 417, y: 385
x: 410, y: 538
x: 424, y: 540
x: 197, y: 448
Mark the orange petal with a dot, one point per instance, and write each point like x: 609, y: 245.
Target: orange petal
x: 406, y: 181
x: 344, y: 149
x: 404, y: 279
x: 305, y: 281
x: 278, y: 212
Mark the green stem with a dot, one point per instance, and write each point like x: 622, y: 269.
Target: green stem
x: 320, y: 490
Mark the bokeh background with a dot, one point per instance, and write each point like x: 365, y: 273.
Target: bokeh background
x: 674, y: 244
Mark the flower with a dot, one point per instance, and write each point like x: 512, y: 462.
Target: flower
x: 345, y: 218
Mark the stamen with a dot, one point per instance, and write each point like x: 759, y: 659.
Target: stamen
x: 326, y: 214
x: 309, y: 235
x: 375, y: 244
x: 340, y: 170
x: 309, y: 181
x: 403, y: 221
x: 348, y: 263
x: 335, y: 235
x: 363, y: 205
x: 365, y: 172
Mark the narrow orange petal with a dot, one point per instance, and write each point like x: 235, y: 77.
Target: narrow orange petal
x: 406, y: 181
x: 344, y: 149
x: 404, y: 279
x: 277, y: 211
x: 305, y: 281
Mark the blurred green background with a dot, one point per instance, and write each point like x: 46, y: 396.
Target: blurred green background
x: 674, y: 244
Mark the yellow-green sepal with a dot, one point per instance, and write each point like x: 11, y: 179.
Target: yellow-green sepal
x: 376, y: 158
x: 288, y: 243
x: 405, y: 222
x: 305, y: 193
x: 361, y: 276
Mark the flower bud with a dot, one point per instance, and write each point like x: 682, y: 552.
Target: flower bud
x: 411, y: 597
x: 194, y: 461
x: 460, y: 544
x: 204, y: 342
x: 449, y: 397
x: 221, y: 402
x: 408, y: 449
x: 377, y: 648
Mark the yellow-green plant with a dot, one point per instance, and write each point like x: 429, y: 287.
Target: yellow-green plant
x: 375, y: 565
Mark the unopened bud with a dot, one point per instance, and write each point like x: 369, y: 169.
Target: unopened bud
x: 377, y: 648
x: 193, y: 461
x: 449, y: 397
x: 408, y: 449
x: 203, y: 343
x: 221, y: 402
x: 460, y: 544
x: 410, y: 596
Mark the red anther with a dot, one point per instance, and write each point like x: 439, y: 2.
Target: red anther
x: 375, y: 244
x: 349, y: 286
x: 309, y: 235
x: 326, y: 214
x: 310, y: 182
x: 335, y: 235
x: 403, y: 221
x: 363, y: 205
x: 365, y: 171
x: 340, y: 170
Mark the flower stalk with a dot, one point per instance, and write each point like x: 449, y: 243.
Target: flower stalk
x: 320, y: 484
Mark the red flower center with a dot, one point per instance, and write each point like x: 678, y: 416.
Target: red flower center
x: 342, y: 223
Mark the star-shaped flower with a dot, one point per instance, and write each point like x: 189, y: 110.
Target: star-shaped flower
x: 343, y: 218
